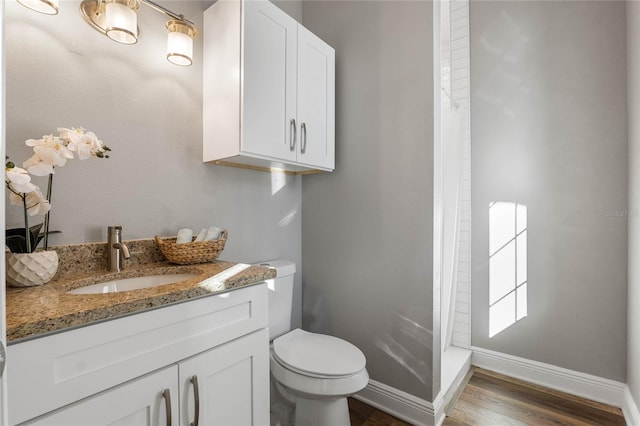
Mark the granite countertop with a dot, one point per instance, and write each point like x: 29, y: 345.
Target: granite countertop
x: 36, y: 311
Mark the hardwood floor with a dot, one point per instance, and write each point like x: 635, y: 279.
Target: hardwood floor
x: 491, y: 399
x: 362, y: 414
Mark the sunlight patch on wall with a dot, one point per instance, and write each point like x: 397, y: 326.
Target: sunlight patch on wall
x: 278, y: 181
x: 507, y: 265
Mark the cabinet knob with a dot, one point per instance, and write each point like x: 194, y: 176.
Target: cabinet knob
x: 293, y: 134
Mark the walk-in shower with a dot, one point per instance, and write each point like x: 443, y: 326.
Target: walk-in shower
x: 455, y: 286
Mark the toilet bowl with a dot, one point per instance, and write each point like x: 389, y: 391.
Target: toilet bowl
x: 315, y: 371
x: 320, y: 371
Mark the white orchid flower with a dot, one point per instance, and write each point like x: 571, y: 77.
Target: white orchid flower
x: 36, y: 203
x: 15, y: 199
x: 90, y: 147
x: 72, y: 134
x: 49, y: 151
x: 74, y: 137
x: 85, y: 144
x: 19, y: 179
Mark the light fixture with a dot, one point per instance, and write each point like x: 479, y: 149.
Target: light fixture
x: 118, y: 19
x: 121, y: 21
x: 180, y: 42
x: 48, y: 7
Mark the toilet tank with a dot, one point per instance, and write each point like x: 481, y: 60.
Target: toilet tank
x: 280, y: 296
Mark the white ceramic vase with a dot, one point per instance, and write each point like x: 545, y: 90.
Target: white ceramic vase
x: 31, y: 269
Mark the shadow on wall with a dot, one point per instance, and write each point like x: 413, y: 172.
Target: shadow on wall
x: 409, y: 344
x: 315, y: 315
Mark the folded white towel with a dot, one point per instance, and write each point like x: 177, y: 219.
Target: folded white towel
x: 202, y: 235
x: 185, y: 235
x: 213, y: 233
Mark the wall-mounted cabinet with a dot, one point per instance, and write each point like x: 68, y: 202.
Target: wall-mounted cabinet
x: 269, y: 90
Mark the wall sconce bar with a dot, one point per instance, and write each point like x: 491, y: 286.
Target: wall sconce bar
x: 48, y: 7
x: 118, y: 20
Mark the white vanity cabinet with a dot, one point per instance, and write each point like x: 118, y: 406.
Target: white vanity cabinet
x: 210, y: 354
x: 269, y: 90
x: 225, y: 384
x: 149, y: 400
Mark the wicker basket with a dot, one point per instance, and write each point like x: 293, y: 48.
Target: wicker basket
x: 191, y: 253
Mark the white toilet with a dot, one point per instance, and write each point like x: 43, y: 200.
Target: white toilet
x: 317, y: 372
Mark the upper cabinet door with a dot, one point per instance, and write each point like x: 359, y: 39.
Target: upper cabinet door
x: 269, y: 81
x: 316, y: 93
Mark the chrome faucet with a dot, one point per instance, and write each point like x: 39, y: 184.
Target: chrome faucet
x: 116, y: 248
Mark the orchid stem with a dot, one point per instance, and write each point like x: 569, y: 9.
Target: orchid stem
x: 46, y: 218
x: 26, y: 223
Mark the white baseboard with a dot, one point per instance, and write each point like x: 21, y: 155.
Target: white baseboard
x: 630, y: 409
x: 421, y: 412
x: 398, y: 403
x: 572, y: 382
x: 456, y: 360
x: 412, y: 409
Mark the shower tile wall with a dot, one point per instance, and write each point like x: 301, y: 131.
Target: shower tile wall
x: 459, y: 15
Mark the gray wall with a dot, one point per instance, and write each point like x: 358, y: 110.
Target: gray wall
x: 549, y: 131
x: 61, y: 72
x: 633, y: 292
x: 367, y: 227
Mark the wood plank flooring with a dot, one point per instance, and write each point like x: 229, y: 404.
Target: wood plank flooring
x: 491, y: 399
x: 362, y: 414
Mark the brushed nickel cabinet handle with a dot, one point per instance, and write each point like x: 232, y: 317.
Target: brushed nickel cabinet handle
x: 196, y: 398
x: 303, y: 138
x: 166, y: 394
x: 3, y: 357
x: 293, y: 135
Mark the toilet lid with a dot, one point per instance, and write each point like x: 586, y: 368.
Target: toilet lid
x: 318, y: 354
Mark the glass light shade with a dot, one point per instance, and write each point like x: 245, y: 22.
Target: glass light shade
x: 180, y: 42
x: 121, y: 21
x: 48, y: 7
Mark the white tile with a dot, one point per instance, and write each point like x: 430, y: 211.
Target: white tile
x: 459, y: 52
x: 456, y: 5
x: 460, y: 326
x: 457, y: 44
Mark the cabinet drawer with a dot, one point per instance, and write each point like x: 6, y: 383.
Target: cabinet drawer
x: 53, y: 371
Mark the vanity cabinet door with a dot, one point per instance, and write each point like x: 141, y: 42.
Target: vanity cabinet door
x: 148, y: 400
x: 232, y: 383
x: 316, y: 103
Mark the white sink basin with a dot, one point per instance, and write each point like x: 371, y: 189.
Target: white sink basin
x: 135, y: 283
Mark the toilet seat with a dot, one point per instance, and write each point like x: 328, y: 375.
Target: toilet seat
x: 318, y: 355
x: 317, y: 388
